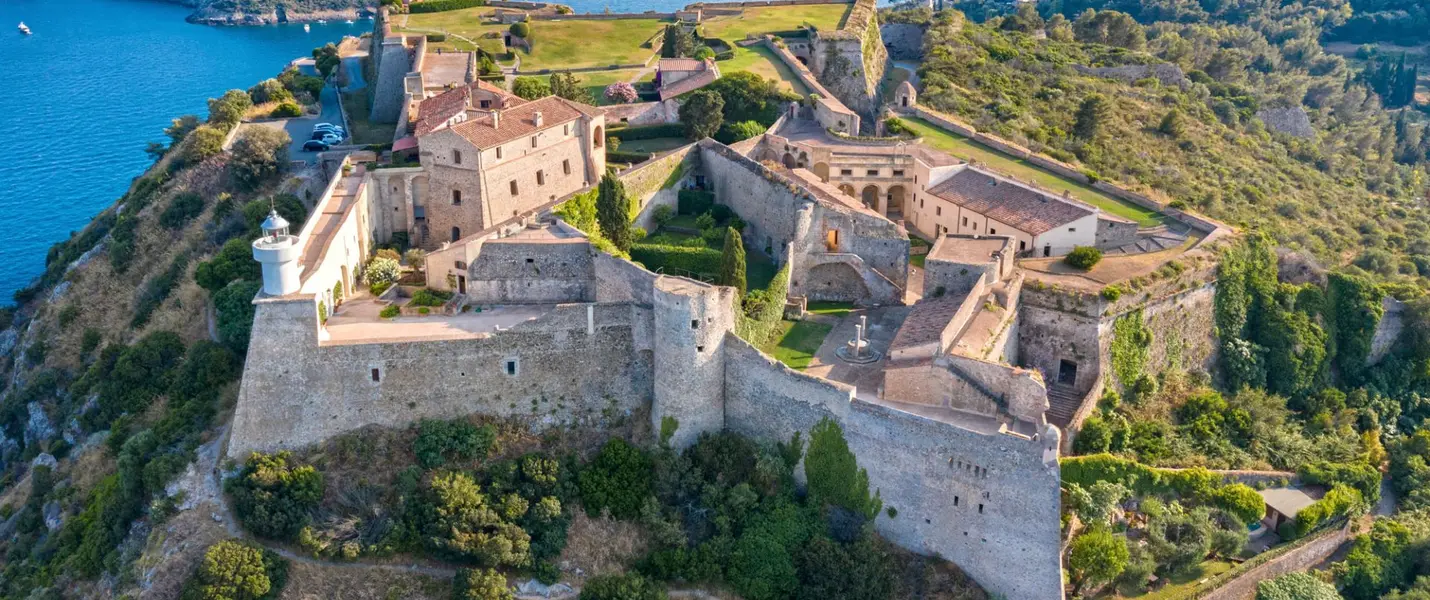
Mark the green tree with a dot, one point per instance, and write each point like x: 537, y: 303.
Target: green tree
x: 613, y: 212
x: 567, y: 85
x: 227, y: 110
x: 732, y: 261
x: 834, y: 474
x: 702, y: 114
x: 1095, y: 556
x: 205, y: 142
x: 259, y: 155
x: 616, y: 586
x: 480, y: 584
x: 678, y: 42
x: 273, y: 495
x: 269, y: 90
x: 327, y: 59
x: 458, y: 520
x: 1377, y: 562
x: 828, y: 569
x: 1173, y: 125
x: 180, y: 128
x: 1092, y: 116
x: 233, y: 262
x: 747, y: 97
x: 234, y: 305
x: 618, y: 479
x: 530, y: 88
x: 232, y: 570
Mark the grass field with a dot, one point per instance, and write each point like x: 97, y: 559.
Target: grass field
x: 557, y: 44
x: 1184, y: 585
x: 796, y: 342
x: 364, y: 131
x: 760, y: 61
x: 653, y: 145
x: 968, y: 149
x: 775, y: 18
x: 596, y: 81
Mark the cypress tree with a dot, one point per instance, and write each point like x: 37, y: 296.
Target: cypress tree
x: 732, y: 261
x: 1092, y: 116
x: 613, y: 212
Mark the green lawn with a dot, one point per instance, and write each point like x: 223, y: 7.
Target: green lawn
x: 832, y: 309
x: 653, y: 145
x: 364, y: 131
x: 968, y: 149
x: 796, y: 342
x: 1184, y: 585
x: 596, y: 81
x: 557, y: 44
x: 466, y: 23
x: 775, y: 18
x: 761, y: 61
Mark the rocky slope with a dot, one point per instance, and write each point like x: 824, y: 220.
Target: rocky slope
x: 269, y: 12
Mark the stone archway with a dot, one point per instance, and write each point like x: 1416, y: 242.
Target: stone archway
x: 822, y: 171
x: 788, y: 161
x: 803, y: 159
x: 847, y: 189
x: 894, y: 209
x: 870, y: 196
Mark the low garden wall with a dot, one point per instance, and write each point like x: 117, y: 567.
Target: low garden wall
x: 1240, y: 583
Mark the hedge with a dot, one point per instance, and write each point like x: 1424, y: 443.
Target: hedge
x: 1196, y: 483
x: 626, y: 157
x: 695, y: 202
x: 757, y: 323
x: 1337, y: 503
x: 648, y: 132
x: 431, y: 6
x: 703, y: 263
x: 726, y: 55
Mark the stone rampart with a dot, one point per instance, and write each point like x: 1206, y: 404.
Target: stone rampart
x: 1307, y: 554
x: 568, y: 370
x: 851, y: 60
x: 643, y: 113
x: 516, y: 272
x: 657, y: 182
x: 394, y: 62
x: 905, y: 41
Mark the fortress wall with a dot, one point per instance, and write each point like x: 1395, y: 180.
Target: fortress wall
x: 657, y: 183
x: 514, y: 272
x: 1047, y: 336
x: 1387, y: 331
x: 619, y: 280
x: 768, y: 205
x: 394, y: 63
x: 689, y: 327
x: 1183, y: 328
x: 296, y: 392
x: 1003, y: 527
x: 919, y: 466
x: 905, y: 41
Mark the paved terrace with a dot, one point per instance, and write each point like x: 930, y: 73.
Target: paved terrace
x: 868, y: 380
x: 331, y: 212
x: 811, y: 133
x: 357, y: 322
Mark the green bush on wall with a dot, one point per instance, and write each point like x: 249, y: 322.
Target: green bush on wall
x: 695, y: 202
x: 678, y: 260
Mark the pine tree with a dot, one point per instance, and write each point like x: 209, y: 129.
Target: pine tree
x: 613, y: 215
x: 1092, y: 116
x: 678, y: 42
x: 732, y: 261
x: 1172, y: 124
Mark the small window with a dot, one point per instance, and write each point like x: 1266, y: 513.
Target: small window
x: 975, y: 227
x: 873, y: 172
x: 566, y: 129
x: 938, y: 211
x: 513, y: 187
x: 530, y: 261
x: 456, y: 233
x: 700, y: 348
x: 511, y: 367
x: 541, y: 178
x: 456, y: 157
x: 898, y: 172
x: 486, y: 104
x: 1022, y: 245
x: 566, y: 166
x: 965, y: 221
x: 695, y: 323
x: 955, y: 500
x: 1070, y: 229
x: 456, y: 197
x: 376, y: 375
x: 846, y: 172
x: 533, y: 141
x: 498, y: 152
x: 980, y: 509
x: 992, y: 231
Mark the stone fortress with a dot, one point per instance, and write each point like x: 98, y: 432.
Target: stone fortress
x: 964, y: 380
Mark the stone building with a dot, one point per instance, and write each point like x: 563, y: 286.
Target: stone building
x: 676, y: 76
x: 487, y: 156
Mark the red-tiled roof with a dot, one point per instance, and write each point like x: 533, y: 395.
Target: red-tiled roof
x: 689, y: 84
x: 1006, y: 201
x: 519, y: 121
x: 437, y: 110
x: 681, y: 64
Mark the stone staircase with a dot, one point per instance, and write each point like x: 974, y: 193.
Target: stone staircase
x: 1063, y: 404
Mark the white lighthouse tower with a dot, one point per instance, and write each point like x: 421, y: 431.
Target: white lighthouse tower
x: 278, y: 252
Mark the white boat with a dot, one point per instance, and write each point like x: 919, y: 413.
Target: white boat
x: 25, y: 29
x: 322, y: 22
x: 350, y: 21
x: 307, y: 27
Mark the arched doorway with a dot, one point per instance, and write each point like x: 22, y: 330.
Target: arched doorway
x: 895, y: 207
x: 803, y: 159
x: 822, y: 171
x: 870, y: 195
x: 600, y: 137
x: 847, y: 189
x: 788, y: 161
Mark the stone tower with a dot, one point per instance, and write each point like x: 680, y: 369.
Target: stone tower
x: 278, y: 253
x: 690, y: 323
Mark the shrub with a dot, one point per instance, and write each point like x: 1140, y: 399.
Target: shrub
x: 269, y: 90
x: 897, y: 126
x: 618, y: 479
x: 234, y: 305
x: 382, y: 270
x: 1111, y: 293
x: 1339, y: 502
x: 1240, y: 501
x: 741, y: 130
x: 617, y: 586
x: 521, y: 30
x: 286, y: 110
x: 183, y: 208
x: 702, y: 262
x: 1296, y: 586
x: 390, y: 311
x: 431, y: 6
x: 1083, y: 257
x: 415, y: 257
x: 272, y: 497
x: 459, y: 521
x: 233, y: 570
x: 234, y: 261
x: 227, y: 110
x: 258, y: 156
x: 663, y: 214
x: 204, y: 142
x: 695, y: 202
x: 621, y: 92
x: 430, y: 297
x: 834, y: 474
x: 530, y: 88
x: 480, y: 584
x: 438, y: 442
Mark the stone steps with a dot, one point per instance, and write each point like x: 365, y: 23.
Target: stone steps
x: 1063, y: 404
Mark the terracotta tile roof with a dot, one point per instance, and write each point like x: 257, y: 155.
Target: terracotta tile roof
x: 518, y: 121
x: 1009, y: 202
x: 681, y: 64
x: 433, y: 112
x: 689, y: 84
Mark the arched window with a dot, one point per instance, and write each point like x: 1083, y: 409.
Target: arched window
x: 456, y: 233
x: 456, y: 197
x: 600, y: 137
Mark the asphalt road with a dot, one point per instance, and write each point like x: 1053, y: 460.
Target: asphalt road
x: 301, y: 129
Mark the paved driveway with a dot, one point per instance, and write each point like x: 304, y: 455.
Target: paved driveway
x: 301, y: 129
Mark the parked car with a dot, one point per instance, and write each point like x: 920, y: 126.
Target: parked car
x: 327, y: 138
x: 316, y: 146
x: 329, y: 127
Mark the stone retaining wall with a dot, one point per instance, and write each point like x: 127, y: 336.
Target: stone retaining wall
x: 1307, y: 554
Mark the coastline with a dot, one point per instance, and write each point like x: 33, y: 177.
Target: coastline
x: 202, y: 16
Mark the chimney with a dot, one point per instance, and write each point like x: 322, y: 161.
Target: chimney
x: 496, y: 119
x: 536, y: 117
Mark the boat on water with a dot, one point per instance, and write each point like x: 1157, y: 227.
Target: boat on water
x: 307, y: 27
x: 322, y: 21
x: 350, y: 21
x: 25, y: 29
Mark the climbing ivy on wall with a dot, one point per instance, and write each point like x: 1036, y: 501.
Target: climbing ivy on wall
x: 834, y: 474
x: 1131, y: 345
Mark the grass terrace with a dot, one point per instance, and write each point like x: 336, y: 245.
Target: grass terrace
x: 654, y: 145
x: 595, y: 82
x: 796, y: 342
x: 968, y: 149
x: 365, y: 132
x: 556, y: 44
x: 775, y: 18
x: 761, y: 61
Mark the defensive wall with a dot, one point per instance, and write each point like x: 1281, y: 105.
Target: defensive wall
x: 851, y: 60
x: 825, y: 105
x: 394, y: 62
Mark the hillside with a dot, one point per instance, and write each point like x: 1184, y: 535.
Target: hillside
x: 268, y: 12
x: 1190, y: 113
